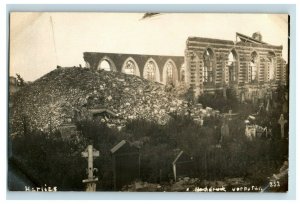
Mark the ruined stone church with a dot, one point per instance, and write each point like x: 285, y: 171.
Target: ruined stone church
x: 249, y: 66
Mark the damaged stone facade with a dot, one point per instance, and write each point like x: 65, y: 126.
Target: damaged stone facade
x: 249, y: 66
x: 159, y: 68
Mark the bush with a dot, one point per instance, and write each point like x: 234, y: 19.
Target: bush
x: 217, y: 101
x: 58, y: 162
x: 50, y: 160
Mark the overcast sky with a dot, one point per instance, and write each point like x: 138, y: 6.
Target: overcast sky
x: 40, y: 41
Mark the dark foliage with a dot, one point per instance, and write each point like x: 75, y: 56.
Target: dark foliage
x: 55, y: 161
x: 50, y: 160
x: 218, y: 101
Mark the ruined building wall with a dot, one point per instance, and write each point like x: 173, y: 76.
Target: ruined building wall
x: 117, y: 62
x: 208, y: 64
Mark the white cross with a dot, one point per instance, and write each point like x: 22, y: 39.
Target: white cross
x: 90, y: 153
x: 282, y: 122
x: 230, y: 114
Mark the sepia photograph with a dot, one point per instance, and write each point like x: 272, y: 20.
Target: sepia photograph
x: 148, y: 102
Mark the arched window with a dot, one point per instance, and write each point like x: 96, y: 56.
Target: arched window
x: 253, y: 67
x: 182, y: 73
x: 149, y: 72
x: 271, y: 66
x: 208, y: 58
x: 169, y: 73
x: 169, y: 67
x: 129, y: 67
x: 232, y: 66
x: 104, y: 65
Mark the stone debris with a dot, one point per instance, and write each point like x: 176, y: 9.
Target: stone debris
x: 67, y: 94
x: 142, y: 187
x: 185, y: 184
x: 189, y: 184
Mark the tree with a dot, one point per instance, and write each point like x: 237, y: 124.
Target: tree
x: 20, y: 81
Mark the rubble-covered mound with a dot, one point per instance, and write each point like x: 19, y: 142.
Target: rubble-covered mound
x: 74, y: 94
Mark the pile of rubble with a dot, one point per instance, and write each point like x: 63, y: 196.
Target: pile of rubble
x: 139, y: 186
x: 187, y: 184
x: 67, y: 95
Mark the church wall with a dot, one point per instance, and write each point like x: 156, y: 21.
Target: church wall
x: 221, y: 49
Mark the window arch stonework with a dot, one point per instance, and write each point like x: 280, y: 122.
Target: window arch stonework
x: 130, y: 67
x: 151, y: 71
x: 208, y: 68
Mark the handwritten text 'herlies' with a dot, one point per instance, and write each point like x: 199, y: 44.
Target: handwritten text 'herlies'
x: 44, y: 188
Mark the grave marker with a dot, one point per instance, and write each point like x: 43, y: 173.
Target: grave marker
x: 282, y: 122
x: 90, y: 153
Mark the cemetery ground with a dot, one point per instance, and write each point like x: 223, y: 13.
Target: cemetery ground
x: 202, y: 154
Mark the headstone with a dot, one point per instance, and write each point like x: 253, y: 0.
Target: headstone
x: 224, y: 93
x: 201, y: 121
x: 252, y: 118
x: 261, y: 131
x: 199, y: 105
x: 224, y: 130
x: 242, y: 96
x: 209, y: 111
x: 260, y: 93
x: 268, y: 105
x: 282, y: 122
x: 230, y: 115
x: 203, y: 112
x: 67, y: 130
x: 250, y: 132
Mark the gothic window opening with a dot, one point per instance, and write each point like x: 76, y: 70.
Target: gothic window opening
x: 104, y: 65
x: 253, y: 67
x: 208, y: 66
x: 149, y: 72
x: 169, y: 68
x: 271, y: 66
x: 232, y: 66
x: 129, y: 67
